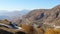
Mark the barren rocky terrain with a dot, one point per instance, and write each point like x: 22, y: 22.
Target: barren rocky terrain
x: 37, y: 21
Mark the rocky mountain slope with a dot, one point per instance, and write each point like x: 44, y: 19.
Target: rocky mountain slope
x: 43, y: 16
x: 38, y: 21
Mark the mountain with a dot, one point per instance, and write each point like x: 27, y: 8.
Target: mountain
x: 4, y: 14
x: 51, y: 16
x: 37, y: 21
x: 3, y: 17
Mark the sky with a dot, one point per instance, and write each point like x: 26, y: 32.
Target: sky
x: 27, y: 4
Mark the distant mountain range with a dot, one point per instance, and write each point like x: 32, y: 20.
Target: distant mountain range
x: 12, y: 14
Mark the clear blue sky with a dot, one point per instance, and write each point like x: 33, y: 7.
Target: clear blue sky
x: 27, y: 4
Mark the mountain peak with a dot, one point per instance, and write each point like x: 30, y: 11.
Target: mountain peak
x: 58, y: 6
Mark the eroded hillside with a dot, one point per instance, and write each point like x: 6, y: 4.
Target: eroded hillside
x: 38, y: 21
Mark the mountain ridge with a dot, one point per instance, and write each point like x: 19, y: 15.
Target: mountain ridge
x: 43, y: 15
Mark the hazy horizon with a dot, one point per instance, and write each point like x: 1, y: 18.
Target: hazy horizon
x: 11, y: 5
